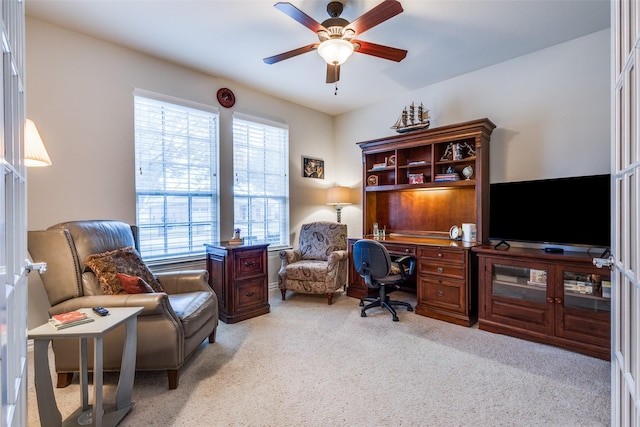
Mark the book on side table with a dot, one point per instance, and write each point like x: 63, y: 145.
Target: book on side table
x: 69, y: 319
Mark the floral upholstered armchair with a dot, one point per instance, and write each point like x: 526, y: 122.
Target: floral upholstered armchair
x: 320, y: 264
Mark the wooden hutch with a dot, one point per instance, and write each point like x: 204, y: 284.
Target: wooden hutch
x: 410, y: 191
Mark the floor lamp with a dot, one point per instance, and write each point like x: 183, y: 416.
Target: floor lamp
x: 339, y: 196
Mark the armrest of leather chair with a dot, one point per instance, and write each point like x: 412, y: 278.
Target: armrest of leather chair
x: 179, y: 282
x: 289, y: 256
x: 152, y: 303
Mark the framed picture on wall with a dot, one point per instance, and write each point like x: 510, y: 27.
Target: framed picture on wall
x: 312, y: 168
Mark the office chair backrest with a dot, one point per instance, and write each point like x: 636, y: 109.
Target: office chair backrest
x: 371, y: 260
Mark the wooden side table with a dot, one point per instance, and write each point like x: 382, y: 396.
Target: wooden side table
x: 238, y: 274
x: 96, y: 414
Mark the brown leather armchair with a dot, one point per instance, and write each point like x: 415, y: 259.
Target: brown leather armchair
x: 172, y: 324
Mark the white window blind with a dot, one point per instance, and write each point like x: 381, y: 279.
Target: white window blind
x: 261, y: 184
x: 177, y: 199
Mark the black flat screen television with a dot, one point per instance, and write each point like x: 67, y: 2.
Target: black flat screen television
x: 563, y: 211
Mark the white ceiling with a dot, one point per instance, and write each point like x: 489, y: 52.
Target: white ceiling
x: 229, y: 39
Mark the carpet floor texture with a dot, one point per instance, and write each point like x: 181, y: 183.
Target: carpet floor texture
x: 310, y: 364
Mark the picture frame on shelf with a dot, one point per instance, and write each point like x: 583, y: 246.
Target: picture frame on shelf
x: 312, y: 168
x: 416, y: 178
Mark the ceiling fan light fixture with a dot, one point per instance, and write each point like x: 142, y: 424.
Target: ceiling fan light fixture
x: 335, y: 51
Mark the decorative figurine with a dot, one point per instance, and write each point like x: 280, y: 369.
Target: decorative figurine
x: 236, y: 237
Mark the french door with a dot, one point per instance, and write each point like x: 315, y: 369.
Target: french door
x: 625, y: 170
x: 13, y: 220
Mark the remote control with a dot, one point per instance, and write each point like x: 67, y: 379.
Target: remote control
x: 101, y: 311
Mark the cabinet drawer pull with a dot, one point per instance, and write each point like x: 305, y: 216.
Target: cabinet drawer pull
x: 440, y: 292
x: 249, y: 264
x: 558, y: 300
x: 440, y: 269
x: 440, y: 254
x: 550, y: 300
x: 406, y: 251
x: 250, y: 294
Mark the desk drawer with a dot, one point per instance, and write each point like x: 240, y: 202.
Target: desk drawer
x: 442, y: 293
x: 441, y: 269
x: 249, y: 264
x: 399, y: 249
x: 441, y: 254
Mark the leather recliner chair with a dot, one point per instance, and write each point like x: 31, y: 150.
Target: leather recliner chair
x: 172, y: 325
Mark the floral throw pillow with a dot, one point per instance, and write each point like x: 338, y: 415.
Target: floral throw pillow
x: 133, y: 284
x: 107, y: 265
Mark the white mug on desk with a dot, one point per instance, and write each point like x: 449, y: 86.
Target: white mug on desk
x: 468, y: 232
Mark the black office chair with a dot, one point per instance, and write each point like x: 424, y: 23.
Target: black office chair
x: 372, y: 261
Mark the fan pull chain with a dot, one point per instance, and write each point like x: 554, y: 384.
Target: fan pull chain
x: 335, y: 71
x: 336, y: 91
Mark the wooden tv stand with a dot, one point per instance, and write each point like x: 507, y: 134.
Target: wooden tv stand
x: 557, y: 299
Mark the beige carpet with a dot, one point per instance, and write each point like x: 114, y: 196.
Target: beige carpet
x: 310, y: 364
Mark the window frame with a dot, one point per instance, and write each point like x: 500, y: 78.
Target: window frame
x: 283, y: 199
x: 214, y: 192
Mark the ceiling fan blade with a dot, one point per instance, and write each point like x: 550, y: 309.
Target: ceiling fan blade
x: 333, y: 73
x: 384, y: 52
x: 300, y: 16
x: 385, y: 10
x: 290, y: 54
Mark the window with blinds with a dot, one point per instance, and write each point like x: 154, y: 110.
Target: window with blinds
x: 177, y: 198
x: 261, y: 180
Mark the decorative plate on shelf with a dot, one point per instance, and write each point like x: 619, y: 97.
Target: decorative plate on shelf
x: 392, y: 160
x: 226, y: 98
x: 372, y: 180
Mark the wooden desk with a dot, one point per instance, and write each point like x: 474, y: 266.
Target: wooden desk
x: 109, y: 415
x: 238, y: 274
x: 446, y: 286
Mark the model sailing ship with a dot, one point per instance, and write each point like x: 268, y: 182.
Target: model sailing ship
x: 413, y: 119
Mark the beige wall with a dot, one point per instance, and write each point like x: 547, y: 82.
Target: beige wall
x: 551, y: 109
x: 79, y: 93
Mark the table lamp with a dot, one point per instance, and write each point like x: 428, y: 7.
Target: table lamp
x: 339, y: 196
x: 35, y: 153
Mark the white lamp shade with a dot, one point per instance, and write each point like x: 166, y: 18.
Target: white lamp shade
x: 335, y: 51
x: 339, y: 196
x: 35, y: 153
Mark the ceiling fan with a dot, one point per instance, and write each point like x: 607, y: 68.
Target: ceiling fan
x: 336, y: 35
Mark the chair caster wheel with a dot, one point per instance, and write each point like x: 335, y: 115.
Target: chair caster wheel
x: 395, y: 319
x: 410, y: 309
x: 363, y: 314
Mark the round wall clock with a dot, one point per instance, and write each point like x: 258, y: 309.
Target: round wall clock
x: 226, y: 98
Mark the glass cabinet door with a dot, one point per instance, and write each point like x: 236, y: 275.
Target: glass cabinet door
x: 587, y: 291
x: 523, y: 283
